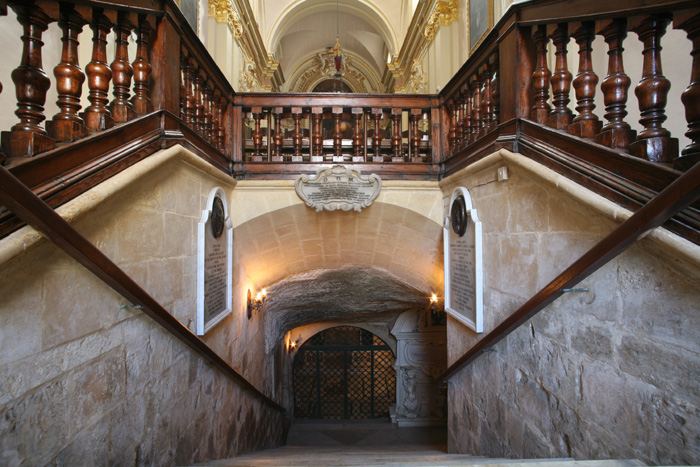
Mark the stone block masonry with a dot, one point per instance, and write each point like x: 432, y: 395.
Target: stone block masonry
x: 84, y: 381
x: 607, y: 373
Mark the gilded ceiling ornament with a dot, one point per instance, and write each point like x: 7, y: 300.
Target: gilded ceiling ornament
x: 444, y: 14
x: 224, y: 12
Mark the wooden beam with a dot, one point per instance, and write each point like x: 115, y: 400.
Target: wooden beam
x: 678, y: 195
x: 31, y: 209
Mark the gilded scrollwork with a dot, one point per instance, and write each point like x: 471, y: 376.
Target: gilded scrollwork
x: 444, y: 14
x: 224, y: 12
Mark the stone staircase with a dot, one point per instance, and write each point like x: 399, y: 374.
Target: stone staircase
x: 380, y: 443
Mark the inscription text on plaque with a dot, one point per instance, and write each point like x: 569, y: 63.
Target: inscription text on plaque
x: 338, y: 187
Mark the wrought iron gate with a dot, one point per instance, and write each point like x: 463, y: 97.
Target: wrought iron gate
x: 344, y: 373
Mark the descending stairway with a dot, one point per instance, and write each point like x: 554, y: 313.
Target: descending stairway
x: 377, y: 443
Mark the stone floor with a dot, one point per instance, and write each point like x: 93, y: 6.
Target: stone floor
x: 379, y: 443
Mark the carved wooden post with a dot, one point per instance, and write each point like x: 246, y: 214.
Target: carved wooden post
x: 316, y: 137
x: 337, y: 135
x: 189, y: 92
x: 540, y: 77
x: 278, y: 138
x: 357, y: 140
x: 97, y: 116
x: 586, y: 123
x: 296, y: 137
x: 28, y: 138
x: 617, y: 133
x: 476, y: 108
x: 690, y: 23
x: 560, y: 116
x: 461, y: 120
x: 257, y: 135
x: 377, y: 138
x: 206, y: 110
x: 221, y: 104
x: 396, y: 139
x: 142, y: 70
x: 66, y: 125
x: 486, y: 104
x: 122, y: 110
x: 414, y: 118
x: 469, y: 122
x: 198, y: 105
x: 452, y: 138
x: 495, y: 92
x: 654, y: 143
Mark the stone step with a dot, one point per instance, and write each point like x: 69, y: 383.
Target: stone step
x: 292, y: 456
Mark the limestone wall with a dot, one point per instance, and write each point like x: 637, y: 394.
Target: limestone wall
x: 608, y: 373
x: 84, y: 381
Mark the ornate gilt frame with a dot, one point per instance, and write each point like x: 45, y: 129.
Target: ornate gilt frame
x: 489, y: 23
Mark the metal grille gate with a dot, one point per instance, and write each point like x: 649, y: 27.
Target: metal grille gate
x: 344, y: 373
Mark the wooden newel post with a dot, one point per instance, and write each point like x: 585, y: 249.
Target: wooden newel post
x: 690, y: 23
x: 66, y: 125
x: 617, y: 133
x: 27, y: 138
x: 654, y: 143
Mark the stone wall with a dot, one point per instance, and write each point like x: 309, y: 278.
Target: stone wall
x: 607, y: 373
x: 84, y: 381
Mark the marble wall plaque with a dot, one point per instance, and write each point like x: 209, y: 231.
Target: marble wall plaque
x: 463, y: 261
x: 214, y: 262
x: 338, y: 187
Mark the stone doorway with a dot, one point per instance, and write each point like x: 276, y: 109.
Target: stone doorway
x: 344, y: 372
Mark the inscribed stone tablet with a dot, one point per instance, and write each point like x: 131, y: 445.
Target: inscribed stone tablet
x: 338, y: 187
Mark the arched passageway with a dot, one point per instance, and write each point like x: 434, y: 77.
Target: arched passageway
x: 344, y: 372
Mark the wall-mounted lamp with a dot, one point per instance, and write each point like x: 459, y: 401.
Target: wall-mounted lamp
x: 437, y: 314
x: 257, y: 303
x: 293, y: 345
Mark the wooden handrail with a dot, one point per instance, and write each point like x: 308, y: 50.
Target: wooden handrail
x: 30, y: 208
x: 678, y: 195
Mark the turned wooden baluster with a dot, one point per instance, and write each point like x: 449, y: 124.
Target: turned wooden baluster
x: 316, y: 136
x: 257, y: 135
x: 183, y: 89
x: 297, y: 137
x: 97, y: 116
x: 141, y: 99
x: 337, y: 135
x: 495, y: 93
x: 690, y: 155
x: 654, y: 143
x: 221, y: 105
x: 122, y: 110
x: 461, y: 120
x: 476, y: 109
x: 190, y: 70
x: 278, y: 139
x: 617, y: 133
x: 396, y: 139
x: 586, y: 124
x: 469, y: 125
x: 66, y: 125
x: 415, y: 117
x: 28, y: 138
x: 214, y: 105
x: 540, y: 77
x: 486, y: 104
x: 198, y: 105
x: 206, y: 110
x: 452, y: 136
x: 377, y: 138
x: 357, y: 139
x: 561, y: 115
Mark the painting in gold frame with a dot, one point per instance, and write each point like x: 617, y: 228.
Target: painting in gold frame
x: 480, y: 20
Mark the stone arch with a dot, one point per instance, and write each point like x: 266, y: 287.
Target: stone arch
x: 296, y: 239
x: 360, y: 8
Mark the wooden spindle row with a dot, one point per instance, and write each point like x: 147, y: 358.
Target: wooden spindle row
x: 654, y: 143
x: 28, y: 138
x: 202, y: 105
x: 474, y: 111
x: 357, y: 124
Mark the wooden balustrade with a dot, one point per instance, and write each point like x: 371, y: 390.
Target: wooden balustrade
x: 400, y: 133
